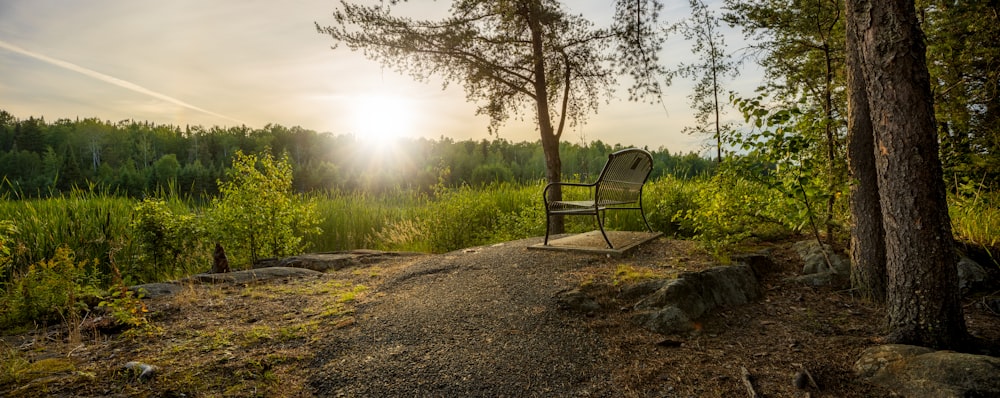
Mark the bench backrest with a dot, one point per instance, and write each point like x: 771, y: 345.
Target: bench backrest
x: 623, y: 176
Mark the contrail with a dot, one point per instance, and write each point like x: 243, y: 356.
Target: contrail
x: 110, y: 79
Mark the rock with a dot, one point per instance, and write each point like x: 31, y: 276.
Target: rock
x: 992, y: 304
x: 815, y: 262
x: 156, y: 290
x: 641, y: 289
x: 576, y: 300
x: 762, y: 263
x: 140, y: 370
x: 816, y: 271
x: 800, y: 381
x: 669, y: 320
x: 823, y: 279
x: 971, y: 275
x: 672, y: 308
x: 913, y: 371
x: 325, y: 262
x: 251, y: 275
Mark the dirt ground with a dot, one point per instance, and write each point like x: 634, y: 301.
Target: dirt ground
x: 300, y: 337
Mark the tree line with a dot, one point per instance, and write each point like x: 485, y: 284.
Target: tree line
x: 39, y: 158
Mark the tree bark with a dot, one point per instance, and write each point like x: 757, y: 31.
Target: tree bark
x: 550, y: 139
x: 923, y: 299
x: 868, y: 275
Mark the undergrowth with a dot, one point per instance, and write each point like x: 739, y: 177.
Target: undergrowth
x: 165, y: 238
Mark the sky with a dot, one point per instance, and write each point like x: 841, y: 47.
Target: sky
x: 254, y: 62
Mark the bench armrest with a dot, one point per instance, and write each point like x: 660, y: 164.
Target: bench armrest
x: 545, y: 192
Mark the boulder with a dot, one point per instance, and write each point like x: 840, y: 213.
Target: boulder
x: 822, y: 279
x: 814, y: 262
x: 669, y: 320
x: 578, y: 301
x: 761, y: 262
x: 251, y: 275
x: 672, y: 308
x: 815, y: 269
x: 642, y: 289
x: 912, y: 371
x: 971, y: 276
x: 155, y: 290
x: 326, y: 262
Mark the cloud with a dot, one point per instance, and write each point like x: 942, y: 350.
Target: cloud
x: 111, y: 79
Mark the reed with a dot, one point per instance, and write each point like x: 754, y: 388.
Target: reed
x: 355, y: 220
x: 976, y: 219
x: 94, y: 224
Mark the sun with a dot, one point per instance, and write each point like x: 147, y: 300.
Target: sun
x: 381, y: 117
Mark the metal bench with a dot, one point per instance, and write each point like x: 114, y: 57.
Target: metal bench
x: 619, y: 187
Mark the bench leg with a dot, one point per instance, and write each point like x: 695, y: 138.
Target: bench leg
x: 643, y: 212
x: 600, y: 224
x: 547, y: 216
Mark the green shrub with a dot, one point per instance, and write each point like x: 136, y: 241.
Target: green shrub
x: 257, y: 214
x: 731, y: 209
x: 667, y: 201
x: 126, y: 307
x: 172, y: 244
x: 461, y: 217
x: 48, y: 292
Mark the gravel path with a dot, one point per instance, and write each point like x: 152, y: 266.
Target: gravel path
x: 478, y: 322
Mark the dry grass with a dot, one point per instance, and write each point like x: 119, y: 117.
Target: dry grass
x: 210, y: 340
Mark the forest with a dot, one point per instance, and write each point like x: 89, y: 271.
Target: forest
x: 92, y: 205
x: 134, y: 159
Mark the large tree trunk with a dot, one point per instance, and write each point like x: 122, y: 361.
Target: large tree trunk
x: 924, y: 305
x: 867, y: 235
x: 550, y: 139
x: 553, y: 172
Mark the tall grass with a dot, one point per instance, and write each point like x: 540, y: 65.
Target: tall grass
x: 355, y: 220
x: 976, y: 219
x: 93, y: 224
x: 465, y: 216
x: 96, y: 226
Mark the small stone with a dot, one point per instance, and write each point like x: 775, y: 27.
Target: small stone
x: 575, y: 300
x: 801, y: 381
x: 343, y: 323
x: 669, y: 343
x: 142, y: 370
x: 993, y: 304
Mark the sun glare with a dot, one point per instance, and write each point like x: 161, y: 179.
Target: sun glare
x: 383, y: 117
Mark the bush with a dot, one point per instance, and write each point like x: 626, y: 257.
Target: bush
x: 667, y: 201
x: 48, y: 292
x: 171, y: 244
x: 730, y: 209
x: 257, y: 214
